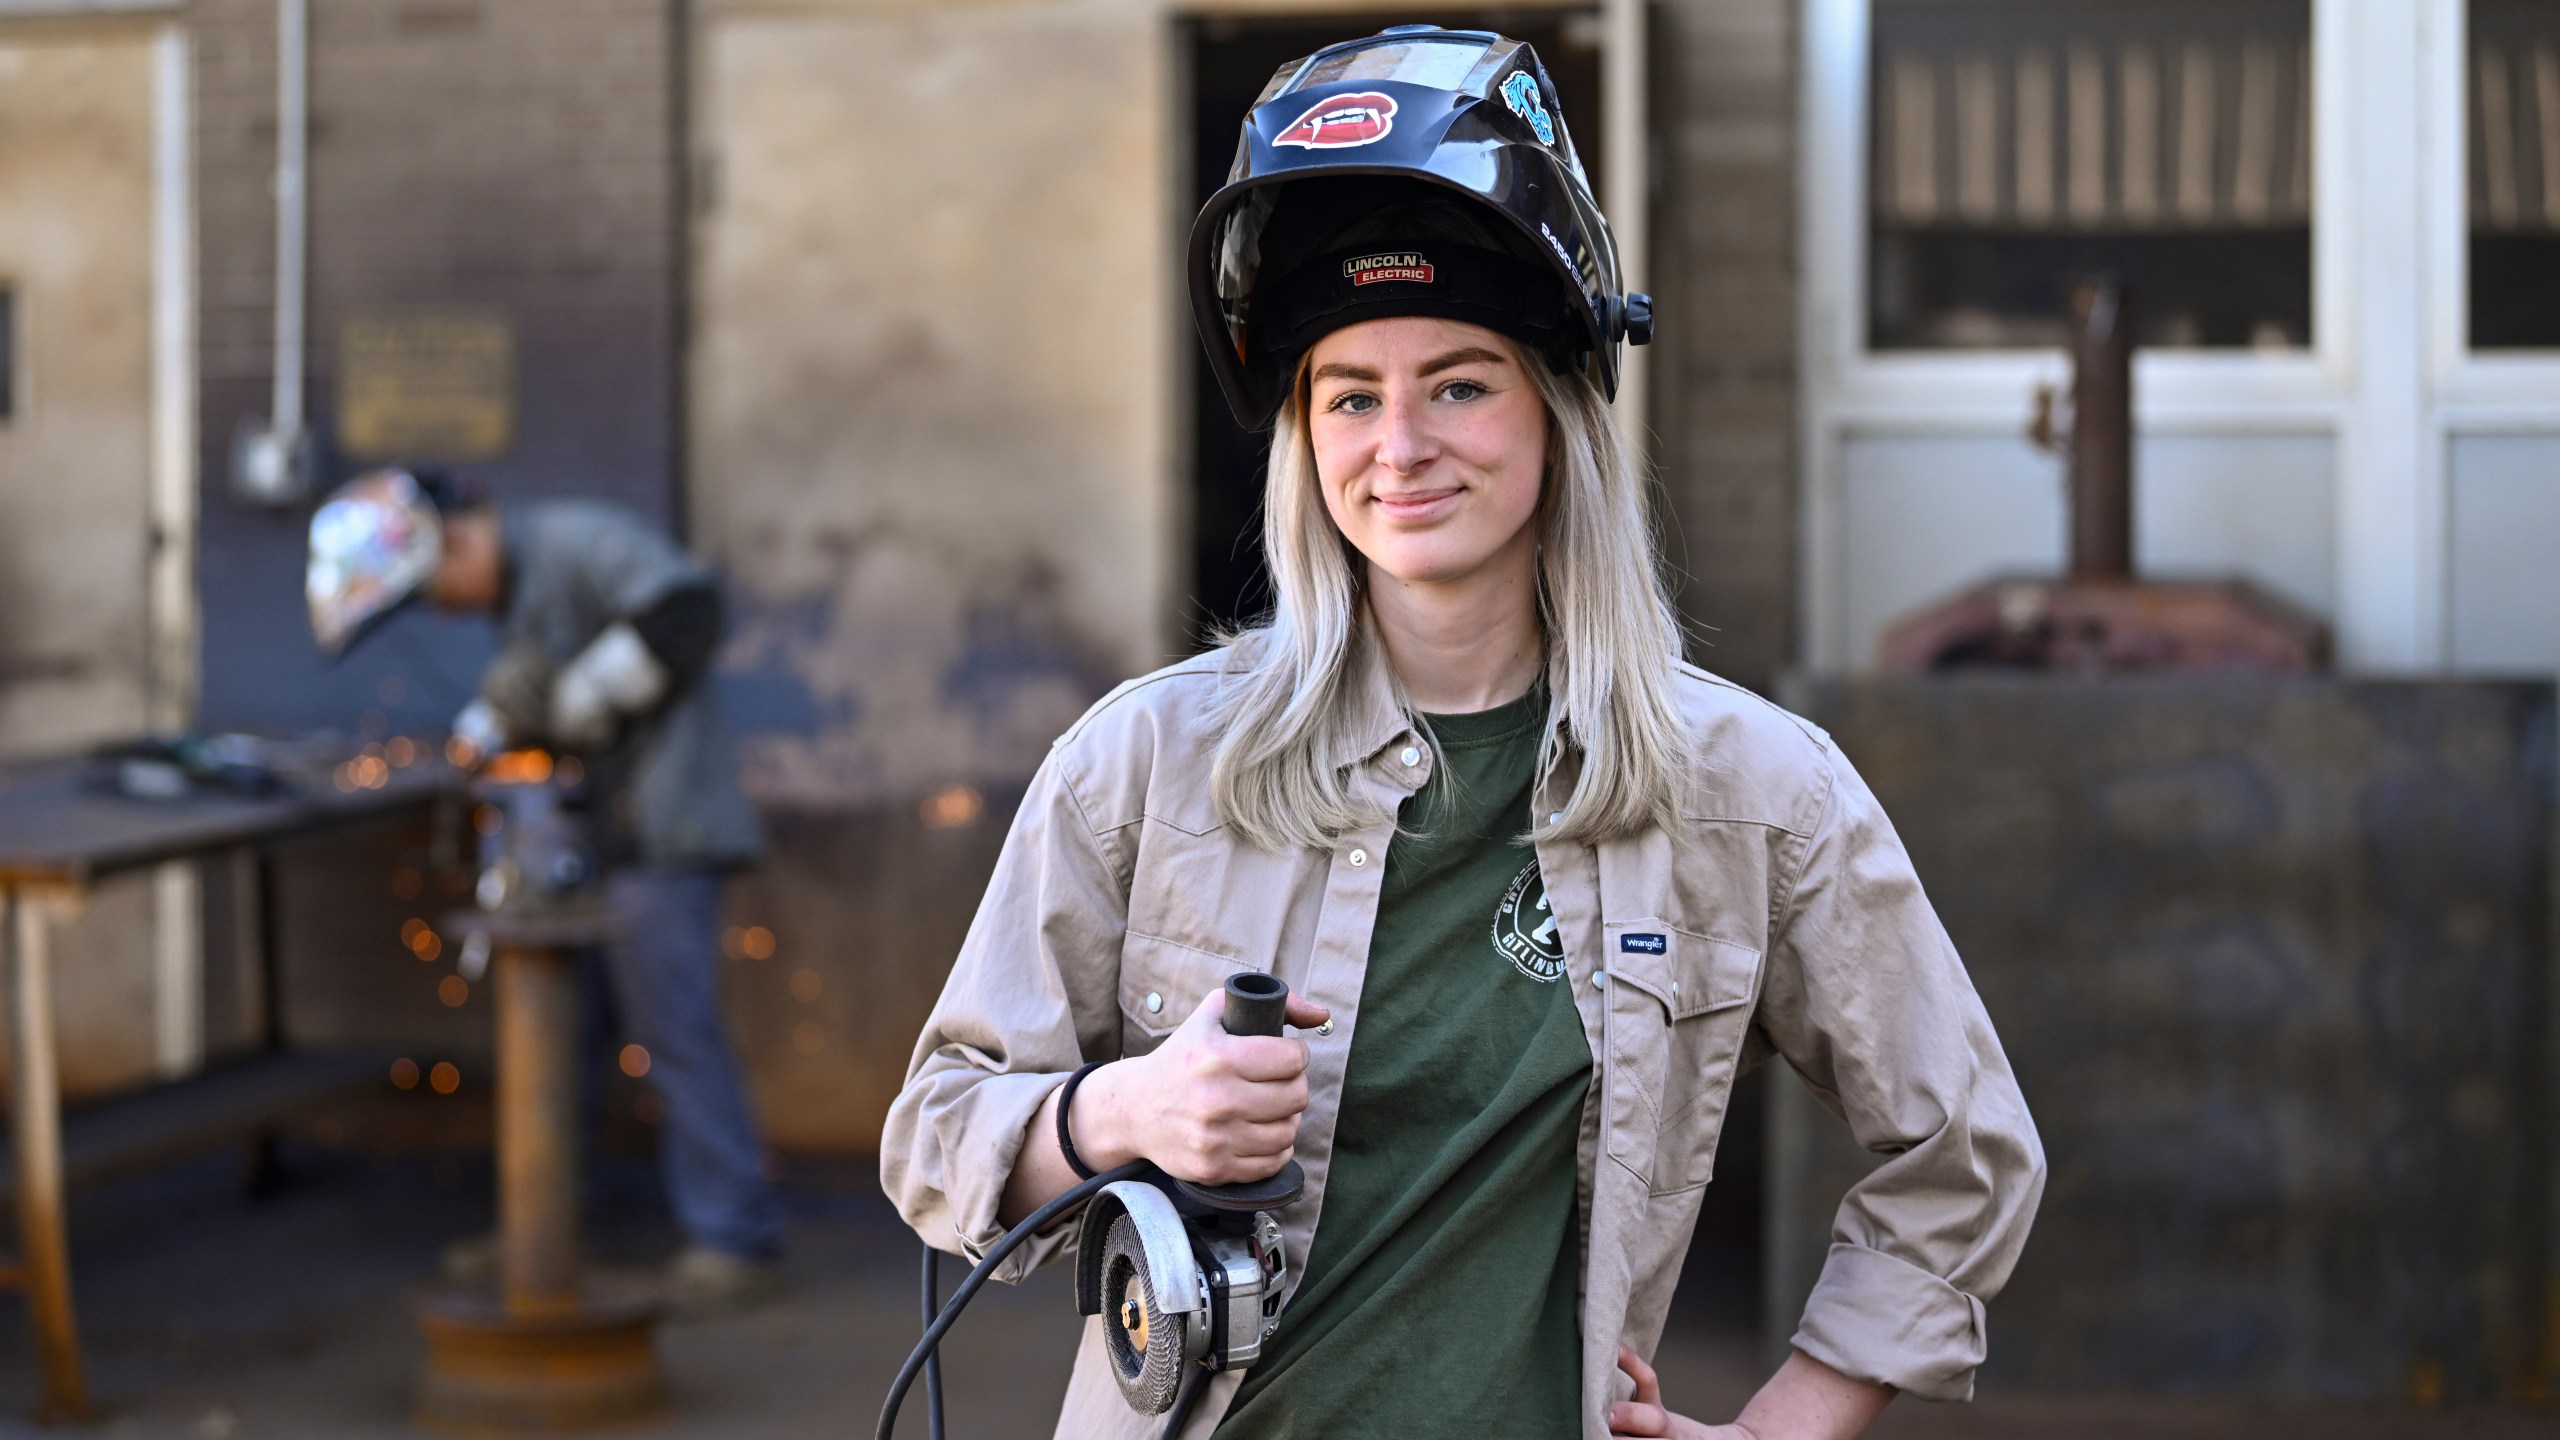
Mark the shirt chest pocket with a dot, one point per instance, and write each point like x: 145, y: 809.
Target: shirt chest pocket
x: 1161, y: 983
x: 1679, y: 1005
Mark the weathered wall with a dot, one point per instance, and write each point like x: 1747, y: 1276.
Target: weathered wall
x: 1724, y: 383
x: 929, y: 427
x: 76, y: 109
x: 2271, y: 960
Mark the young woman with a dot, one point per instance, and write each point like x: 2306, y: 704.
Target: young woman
x: 1540, y: 890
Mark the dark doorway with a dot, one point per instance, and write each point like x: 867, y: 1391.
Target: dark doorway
x: 1231, y: 60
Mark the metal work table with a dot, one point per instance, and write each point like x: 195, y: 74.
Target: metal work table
x: 57, y: 839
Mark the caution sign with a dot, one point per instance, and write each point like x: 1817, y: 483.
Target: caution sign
x: 427, y: 385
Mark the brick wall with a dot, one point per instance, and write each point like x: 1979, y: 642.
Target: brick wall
x: 1724, y: 398
x: 517, y: 157
x: 496, y: 154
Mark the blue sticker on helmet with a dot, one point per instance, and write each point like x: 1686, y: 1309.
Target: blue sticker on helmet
x: 1520, y: 92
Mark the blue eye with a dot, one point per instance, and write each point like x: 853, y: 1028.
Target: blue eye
x: 1462, y: 390
x: 1353, y: 402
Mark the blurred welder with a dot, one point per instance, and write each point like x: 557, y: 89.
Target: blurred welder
x: 606, y: 632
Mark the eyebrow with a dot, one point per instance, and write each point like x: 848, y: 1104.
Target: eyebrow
x: 1470, y: 355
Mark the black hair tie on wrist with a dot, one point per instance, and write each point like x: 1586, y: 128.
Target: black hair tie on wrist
x: 1067, y: 1142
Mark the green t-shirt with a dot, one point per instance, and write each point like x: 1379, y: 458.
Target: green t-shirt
x: 1440, y: 1294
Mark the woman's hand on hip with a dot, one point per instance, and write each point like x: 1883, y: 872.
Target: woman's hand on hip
x: 1805, y: 1400
x: 1645, y: 1415
x: 1206, y: 1106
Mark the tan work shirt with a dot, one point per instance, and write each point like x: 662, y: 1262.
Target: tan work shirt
x: 1789, y: 920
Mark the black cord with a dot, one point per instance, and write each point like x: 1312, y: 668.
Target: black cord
x: 1192, y: 1389
x: 933, y: 1362
x: 1065, y: 1201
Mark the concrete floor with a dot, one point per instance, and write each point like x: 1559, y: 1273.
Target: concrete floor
x: 210, y: 1316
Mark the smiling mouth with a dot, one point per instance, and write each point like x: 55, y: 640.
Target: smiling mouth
x: 1413, y: 505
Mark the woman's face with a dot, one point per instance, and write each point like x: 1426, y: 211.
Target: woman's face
x: 1430, y: 444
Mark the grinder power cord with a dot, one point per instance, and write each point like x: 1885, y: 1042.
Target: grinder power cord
x: 1186, y: 1277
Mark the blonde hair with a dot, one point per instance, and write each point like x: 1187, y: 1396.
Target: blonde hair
x: 1612, y: 642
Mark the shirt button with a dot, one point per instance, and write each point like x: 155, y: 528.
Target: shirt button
x: 1600, y: 979
x: 1411, y: 755
x: 1155, y: 1002
x: 1359, y: 858
x: 1555, y: 817
x: 1325, y: 1029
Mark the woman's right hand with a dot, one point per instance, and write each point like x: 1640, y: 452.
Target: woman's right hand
x: 1205, y: 1106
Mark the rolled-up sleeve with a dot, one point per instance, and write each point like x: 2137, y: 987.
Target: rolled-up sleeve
x: 1866, y: 998
x: 1030, y: 998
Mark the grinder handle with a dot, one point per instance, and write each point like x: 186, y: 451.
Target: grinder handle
x: 1256, y: 1003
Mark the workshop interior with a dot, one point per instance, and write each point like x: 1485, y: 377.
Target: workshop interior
x: 2129, y: 430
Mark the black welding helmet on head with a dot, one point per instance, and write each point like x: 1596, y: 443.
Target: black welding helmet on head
x: 1418, y: 171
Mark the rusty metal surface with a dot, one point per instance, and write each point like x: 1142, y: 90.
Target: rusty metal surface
x: 2078, y: 627
x: 495, y: 1368
x: 55, y: 831
x: 2271, y: 959
x: 2100, y: 618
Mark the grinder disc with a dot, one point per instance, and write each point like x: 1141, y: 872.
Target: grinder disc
x: 1145, y: 1342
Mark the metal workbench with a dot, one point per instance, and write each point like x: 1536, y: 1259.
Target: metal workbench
x: 58, y: 838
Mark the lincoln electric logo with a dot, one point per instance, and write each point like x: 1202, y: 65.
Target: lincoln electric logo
x: 1341, y: 121
x: 1401, y: 265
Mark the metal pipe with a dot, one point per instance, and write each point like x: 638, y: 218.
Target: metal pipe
x: 2102, y: 323
x: 293, y: 210
x: 537, y: 1127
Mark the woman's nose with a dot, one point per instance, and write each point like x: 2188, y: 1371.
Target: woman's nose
x: 1405, y: 445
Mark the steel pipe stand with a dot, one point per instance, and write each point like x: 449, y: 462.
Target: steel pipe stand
x: 583, y: 1364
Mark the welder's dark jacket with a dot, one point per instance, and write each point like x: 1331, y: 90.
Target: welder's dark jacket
x: 1789, y: 921
x: 575, y: 567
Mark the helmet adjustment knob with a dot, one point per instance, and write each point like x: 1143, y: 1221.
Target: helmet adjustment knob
x: 1637, y: 320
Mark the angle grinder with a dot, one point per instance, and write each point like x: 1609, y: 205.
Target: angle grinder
x: 1186, y: 1277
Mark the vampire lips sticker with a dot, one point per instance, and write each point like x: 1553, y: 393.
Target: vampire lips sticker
x: 1339, y: 122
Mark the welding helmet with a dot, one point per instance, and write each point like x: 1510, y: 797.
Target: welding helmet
x: 1418, y: 171
x: 375, y: 546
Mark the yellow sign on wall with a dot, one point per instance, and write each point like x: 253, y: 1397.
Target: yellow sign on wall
x: 427, y: 385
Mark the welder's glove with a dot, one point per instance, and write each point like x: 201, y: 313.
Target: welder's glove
x: 517, y: 689
x: 480, y: 727
x: 614, y: 679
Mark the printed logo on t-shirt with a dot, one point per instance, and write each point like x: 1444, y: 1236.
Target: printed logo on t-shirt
x: 1524, y: 930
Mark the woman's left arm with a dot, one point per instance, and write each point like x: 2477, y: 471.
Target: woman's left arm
x: 1865, y: 996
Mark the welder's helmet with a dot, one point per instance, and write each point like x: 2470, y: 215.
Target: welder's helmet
x: 375, y: 546
x: 1419, y: 171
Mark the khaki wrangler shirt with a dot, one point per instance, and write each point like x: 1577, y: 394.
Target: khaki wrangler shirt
x: 1790, y: 922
